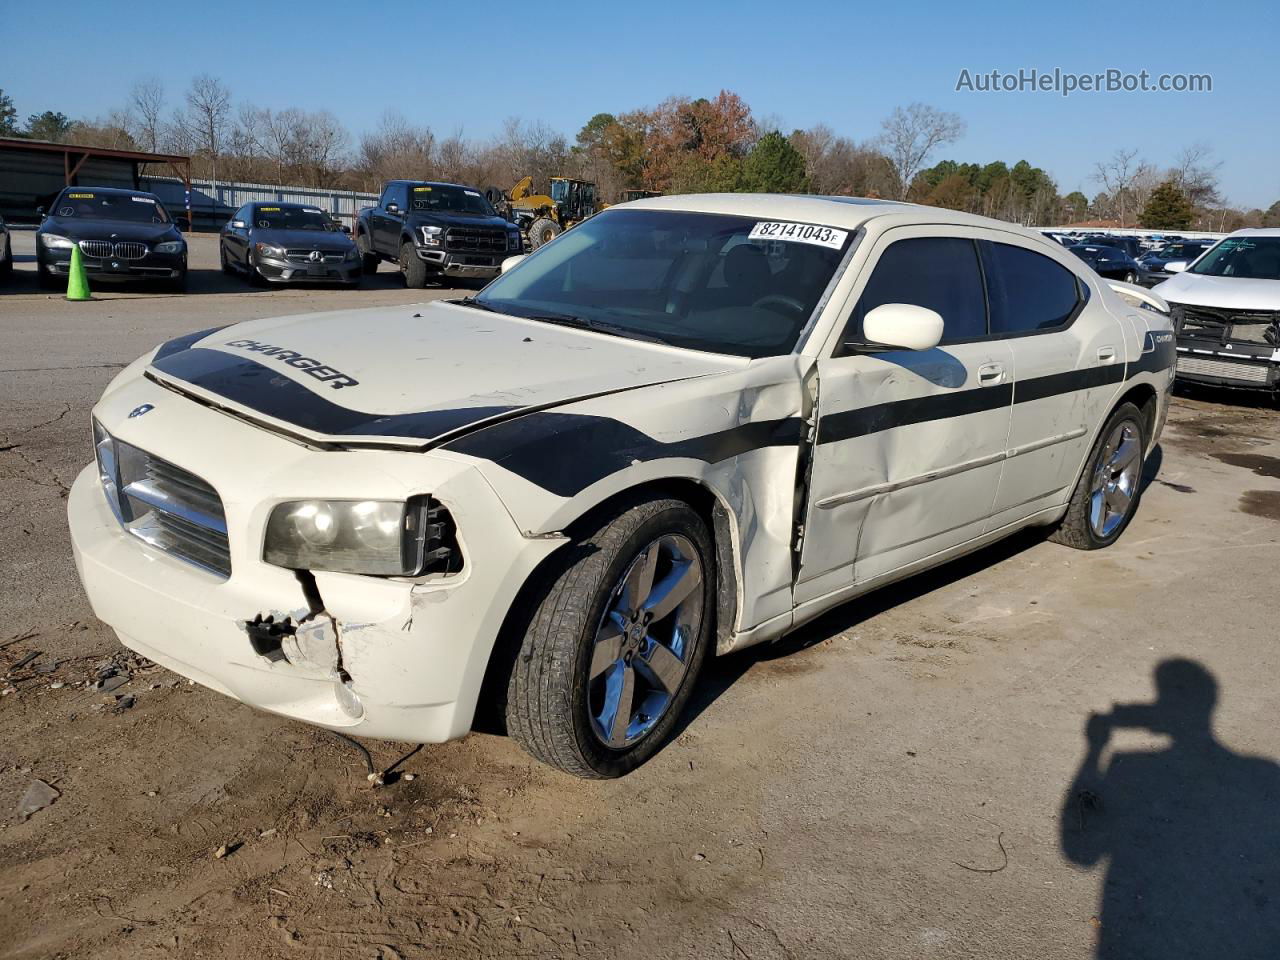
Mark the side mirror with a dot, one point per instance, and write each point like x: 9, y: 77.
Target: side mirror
x: 510, y: 262
x: 903, y: 325
x: 1177, y: 266
x: 237, y: 224
x: 393, y: 208
x: 40, y: 212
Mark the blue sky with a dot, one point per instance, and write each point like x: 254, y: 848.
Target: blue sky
x: 460, y: 66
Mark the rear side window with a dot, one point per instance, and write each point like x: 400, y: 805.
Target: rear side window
x: 1028, y: 291
x: 940, y: 273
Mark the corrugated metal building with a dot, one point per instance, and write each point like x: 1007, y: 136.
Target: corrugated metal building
x: 33, y: 171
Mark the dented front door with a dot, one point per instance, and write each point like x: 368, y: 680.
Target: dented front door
x: 907, y: 461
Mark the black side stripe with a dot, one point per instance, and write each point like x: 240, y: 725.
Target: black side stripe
x: 567, y: 452
x: 847, y: 424
x: 270, y: 392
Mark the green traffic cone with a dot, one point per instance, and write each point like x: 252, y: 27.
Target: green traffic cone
x: 77, y: 280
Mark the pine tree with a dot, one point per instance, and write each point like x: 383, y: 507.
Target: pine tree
x: 1167, y: 209
x: 774, y: 166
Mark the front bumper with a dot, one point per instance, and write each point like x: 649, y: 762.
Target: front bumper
x: 153, y: 266
x: 453, y: 264
x: 412, y: 653
x: 289, y: 271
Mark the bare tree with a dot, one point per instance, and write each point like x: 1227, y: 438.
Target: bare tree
x: 1196, y: 173
x: 146, y: 104
x: 909, y: 135
x: 1118, y: 175
x: 210, y: 104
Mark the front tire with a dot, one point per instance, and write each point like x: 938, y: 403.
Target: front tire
x: 6, y: 261
x: 613, y: 648
x: 412, y: 268
x: 1107, y: 493
x: 368, y: 259
x: 226, y: 264
x: 542, y: 231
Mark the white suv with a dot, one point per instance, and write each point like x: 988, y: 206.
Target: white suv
x: 1226, y: 307
x: 686, y: 426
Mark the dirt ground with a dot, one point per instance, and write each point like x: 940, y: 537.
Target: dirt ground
x: 896, y: 780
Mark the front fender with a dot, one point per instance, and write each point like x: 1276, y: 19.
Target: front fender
x: 736, y: 434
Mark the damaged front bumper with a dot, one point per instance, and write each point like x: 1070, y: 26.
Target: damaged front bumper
x: 392, y: 658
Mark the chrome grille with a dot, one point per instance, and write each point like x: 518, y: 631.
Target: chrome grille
x: 124, y: 250
x: 162, y: 504
x: 304, y: 256
x: 476, y: 239
x: 1225, y: 369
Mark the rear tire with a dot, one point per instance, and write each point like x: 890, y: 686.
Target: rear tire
x: 412, y: 268
x: 543, y: 230
x: 1107, y: 493
x: 604, y: 669
x: 368, y: 259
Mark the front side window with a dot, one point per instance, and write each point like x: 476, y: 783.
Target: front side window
x: 940, y: 273
x: 1253, y: 258
x: 726, y: 284
x: 1028, y: 291
x: 92, y: 205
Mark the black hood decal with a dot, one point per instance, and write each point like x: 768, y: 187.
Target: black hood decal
x: 268, y: 391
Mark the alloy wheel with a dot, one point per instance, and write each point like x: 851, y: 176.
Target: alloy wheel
x: 640, y: 654
x: 1115, y: 479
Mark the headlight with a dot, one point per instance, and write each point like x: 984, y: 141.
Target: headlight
x: 431, y: 236
x: 352, y: 254
x: 374, y: 537
x: 55, y: 242
x: 170, y: 246
x: 268, y: 250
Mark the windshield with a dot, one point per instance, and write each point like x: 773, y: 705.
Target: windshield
x: 1181, y: 251
x: 726, y: 284
x: 1254, y: 258
x: 437, y: 197
x: 559, y: 190
x: 89, y: 205
x: 292, y: 218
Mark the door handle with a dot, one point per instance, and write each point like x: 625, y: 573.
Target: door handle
x: 1106, y: 354
x: 989, y: 374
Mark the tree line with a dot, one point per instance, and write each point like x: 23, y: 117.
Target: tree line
x: 682, y: 145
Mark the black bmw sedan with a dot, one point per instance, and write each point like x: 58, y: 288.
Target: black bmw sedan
x: 282, y: 242
x: 122, y: 235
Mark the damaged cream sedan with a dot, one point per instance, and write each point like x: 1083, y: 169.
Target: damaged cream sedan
x: 687, y: 426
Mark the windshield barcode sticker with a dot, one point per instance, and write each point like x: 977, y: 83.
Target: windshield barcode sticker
x: 142, y: 200
x: 79, y: 196
x: 471, y: 193
x: 798, y: 233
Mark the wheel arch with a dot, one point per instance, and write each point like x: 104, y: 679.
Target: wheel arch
x: 705, y: 501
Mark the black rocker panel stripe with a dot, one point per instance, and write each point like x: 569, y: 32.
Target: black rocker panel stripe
x: 270, y: 392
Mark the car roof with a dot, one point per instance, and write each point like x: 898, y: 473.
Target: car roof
x: 113, y: 191
x: 844, y: 212
x: 1253, y: 232
x: 437, y: 183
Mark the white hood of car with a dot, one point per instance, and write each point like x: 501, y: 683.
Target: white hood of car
x: 410, y: 375
x: 1228, y: 293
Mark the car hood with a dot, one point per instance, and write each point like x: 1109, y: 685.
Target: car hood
x: 418, y: 218
x: 409, y: 375
x: 1228, y: 293
x: 110, y: 230
x: 310, y: 239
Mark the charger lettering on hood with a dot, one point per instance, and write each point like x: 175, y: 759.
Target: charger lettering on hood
x: 312, y: 367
